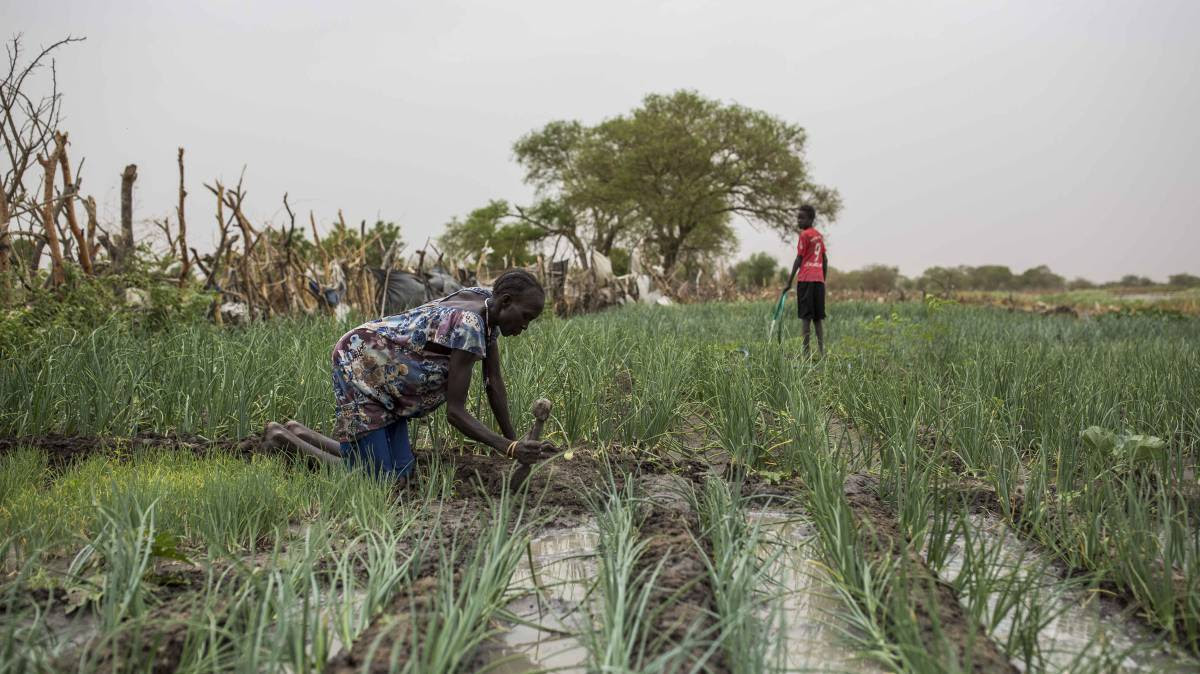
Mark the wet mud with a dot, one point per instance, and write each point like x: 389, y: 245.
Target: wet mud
x: 66, y: 449
x: 983, y: 500
x: 1086, y: 628
x: 556, y: 493
x: 385, y: 645
x: 556, y: 488
x: 683, y: 595
x: 71, y: 629
x: 548, y: 617
x: 934, y: 603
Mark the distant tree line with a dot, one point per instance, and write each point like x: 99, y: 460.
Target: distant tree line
x: 760, y: 270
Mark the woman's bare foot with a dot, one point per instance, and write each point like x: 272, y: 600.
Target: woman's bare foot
x: 318, y: 440
x: 279, y: 436
x: 275, y: 435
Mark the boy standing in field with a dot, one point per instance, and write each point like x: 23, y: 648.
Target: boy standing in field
x: 811, y: 263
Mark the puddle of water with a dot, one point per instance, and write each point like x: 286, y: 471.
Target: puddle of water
x: 352, y: 601
x: 1146, y: 297
x: 550, y: 600
x: 813, y: 641
x: 1080, y: 632
x: 67, y: 633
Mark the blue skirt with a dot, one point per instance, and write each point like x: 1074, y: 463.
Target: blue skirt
x: 385, y: 452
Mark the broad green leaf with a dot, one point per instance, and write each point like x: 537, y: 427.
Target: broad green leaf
x: 166, y: 546
x: 1099, y: 439
x: 1142, y: 448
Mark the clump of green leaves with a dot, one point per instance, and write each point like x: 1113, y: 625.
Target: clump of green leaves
x: 1127, y: 449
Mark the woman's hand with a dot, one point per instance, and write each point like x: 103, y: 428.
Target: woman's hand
x: 531, y: 451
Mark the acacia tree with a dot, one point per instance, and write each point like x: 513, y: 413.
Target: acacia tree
x: 943, y: 280
x: 672, y: 174
x: 691, y: 163
x: 573, y: 168
x: 1041, y: 278
x: 493, y: 229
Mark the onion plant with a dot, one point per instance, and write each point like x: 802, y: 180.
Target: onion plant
x: 620, y: 636
x: 745, y: 600
x: 943, y: 397
x: 467, y: 597
x: 1005, y: 398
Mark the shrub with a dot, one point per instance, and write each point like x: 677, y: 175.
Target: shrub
x: 756, y: 271
x: 1184, y: 280
x: 85, y: 301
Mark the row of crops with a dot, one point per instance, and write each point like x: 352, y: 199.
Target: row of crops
x: 950, y: 489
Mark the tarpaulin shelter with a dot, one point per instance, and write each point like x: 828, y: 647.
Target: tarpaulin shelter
x: 398, y: 291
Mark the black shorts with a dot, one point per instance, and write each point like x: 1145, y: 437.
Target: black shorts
x: 810, y: 300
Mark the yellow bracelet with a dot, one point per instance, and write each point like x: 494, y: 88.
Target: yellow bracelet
x: 512, y: 449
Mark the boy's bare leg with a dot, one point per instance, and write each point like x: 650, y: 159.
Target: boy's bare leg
x: 805, y: 327
x: 820, y: 325
x: 278, y: 436
x: 318, y: 440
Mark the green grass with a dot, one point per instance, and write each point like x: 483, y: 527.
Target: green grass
x: 218, y: 501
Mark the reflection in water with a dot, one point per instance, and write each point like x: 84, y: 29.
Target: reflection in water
x: 1079, y: 637
x: 550, y: 604
x: 812, y: 641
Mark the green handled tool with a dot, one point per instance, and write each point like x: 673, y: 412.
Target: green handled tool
x: 776, y: 326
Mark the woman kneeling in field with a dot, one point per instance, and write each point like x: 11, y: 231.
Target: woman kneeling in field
x: 401, y: 367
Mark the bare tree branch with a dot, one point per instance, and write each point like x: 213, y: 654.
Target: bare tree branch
x: 56, y: 258
x: 70, y: 188
x: 183, y: 247
x: 128, y: 176
x: 27, y: 125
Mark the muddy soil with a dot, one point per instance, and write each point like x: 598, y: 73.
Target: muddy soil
x: 66, y: 449
x: 934, y: 602
x: 553, y: 605
x: 387, y: 642
x: 812, y: 636
x: 1119, y: 600
x: 157, y: 646
x: 982, y: 498
x: 556, y: 488
x: 1085, y: 626
x: 683, y: 594
x: 555, y: 491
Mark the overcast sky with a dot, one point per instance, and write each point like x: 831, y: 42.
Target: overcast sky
x: 967, y: 132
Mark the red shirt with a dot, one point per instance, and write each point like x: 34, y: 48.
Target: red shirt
x: 811, y: 251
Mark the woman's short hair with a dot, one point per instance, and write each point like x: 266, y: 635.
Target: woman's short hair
x: 517, y: 282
